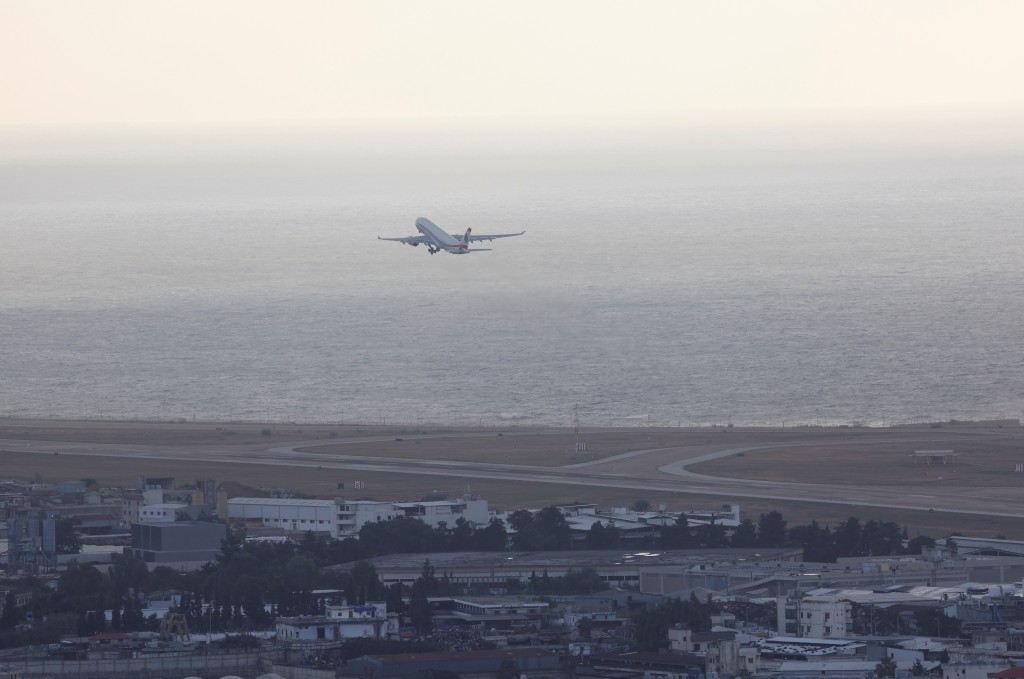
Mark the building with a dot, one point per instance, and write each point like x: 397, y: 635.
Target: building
x: 186, y: 545
x: 161, y: 513
x: 318, y: 516
x: 131, y: 503
x: 370, y: 620
x: 72, y: 491
x: 156, y: 483
x: 728, y: 656
x: 438, y: 513
x: 489, y: 613
x: 31, y: 543
x: 639, y: 527
x: 494, y: 569
x: 354, y: 514
x: 805, y: 648
x: 820, y: 617
x: 340, y: 518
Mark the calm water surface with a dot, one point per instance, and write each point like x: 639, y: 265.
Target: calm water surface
x: 649, y: 287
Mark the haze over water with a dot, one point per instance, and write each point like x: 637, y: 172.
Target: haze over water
x: 665, y: 285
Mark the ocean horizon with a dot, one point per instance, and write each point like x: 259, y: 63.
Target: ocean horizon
x: 668, y: 287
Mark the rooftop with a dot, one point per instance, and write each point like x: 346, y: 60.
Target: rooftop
x: 461, y: 655
x: 573, y: 559
x: 290, y: 502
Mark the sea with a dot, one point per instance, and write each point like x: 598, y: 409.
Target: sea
x: 235, y: 277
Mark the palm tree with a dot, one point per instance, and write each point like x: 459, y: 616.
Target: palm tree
x: 886, y: 667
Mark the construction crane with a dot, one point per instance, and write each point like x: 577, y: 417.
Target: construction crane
x: 174, y: 626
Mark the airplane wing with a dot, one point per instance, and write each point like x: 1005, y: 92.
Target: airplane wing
x: 409, y: 240
x: 491, y: 236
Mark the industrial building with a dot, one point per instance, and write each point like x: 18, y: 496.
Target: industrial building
x: 343, y: 518
x: 186, y: 545
x: 370, y: 620
x: 616, y: 567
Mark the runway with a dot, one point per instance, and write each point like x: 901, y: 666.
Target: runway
x: 673, y: 477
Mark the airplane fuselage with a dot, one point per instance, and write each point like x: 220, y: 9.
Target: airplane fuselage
x: 441, y: 239
x: 437, y: 239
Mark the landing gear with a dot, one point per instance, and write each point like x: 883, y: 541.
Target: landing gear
x: 431, y: 249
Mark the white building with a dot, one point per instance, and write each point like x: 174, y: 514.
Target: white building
x: 354, y: 514
x: 729, y: 656
x: 343, y: 518
x: 447, y: 512
x: 159, y: 513
x: 131, y: 503
x: 819, y: 617
x: 370, y: 620
x: 319, y: 516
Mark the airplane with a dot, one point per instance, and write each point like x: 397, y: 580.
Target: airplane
x: 437, y: 239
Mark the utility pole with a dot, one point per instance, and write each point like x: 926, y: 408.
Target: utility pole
x: 576, y: 428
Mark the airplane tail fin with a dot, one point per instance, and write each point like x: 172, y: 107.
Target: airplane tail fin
x: 465, y: 239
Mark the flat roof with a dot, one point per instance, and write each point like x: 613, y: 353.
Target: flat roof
x: 281, y: 501
x: 491, y: 601
x: 461, y: 655
x: 569, y: 559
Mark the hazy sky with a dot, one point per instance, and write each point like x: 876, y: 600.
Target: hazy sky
x: 106, y: 61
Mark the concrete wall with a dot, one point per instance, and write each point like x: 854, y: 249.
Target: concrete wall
x: 244, y: 664
x: 293, y: 672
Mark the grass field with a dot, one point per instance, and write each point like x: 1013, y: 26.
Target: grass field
x: 512, y: 445
x: 500, y: 494
x: 869, y: 461
x: 982, y: 463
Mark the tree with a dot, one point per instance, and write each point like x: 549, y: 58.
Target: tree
x: 650, y: 628
x: 420, y: 614
x: 11, y: 615
x: 553, y: 529
x: 886, y: 667
x: 79, y: 588
x: 602, y: 537
x: 917, y: 669
x: 881, y: 539
x: 771, y: 530
x: 393, y: 598
x: 848, y: 538
x: 400, y: 534
x: 678, y: 535
x: 585, y: 626
x: 931, y: 621
x: 918, y: 544
x: 817, y: 542
x: 460, y: 539
x: 365, y: 583
x: 493, y: 538
x: 301, y: 575
x: 128, y: 573
x: 641, y: 505
x: 745, y: 535
x: 711, y: 535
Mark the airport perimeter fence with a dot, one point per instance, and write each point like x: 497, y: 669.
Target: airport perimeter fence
x: 245, y: 664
